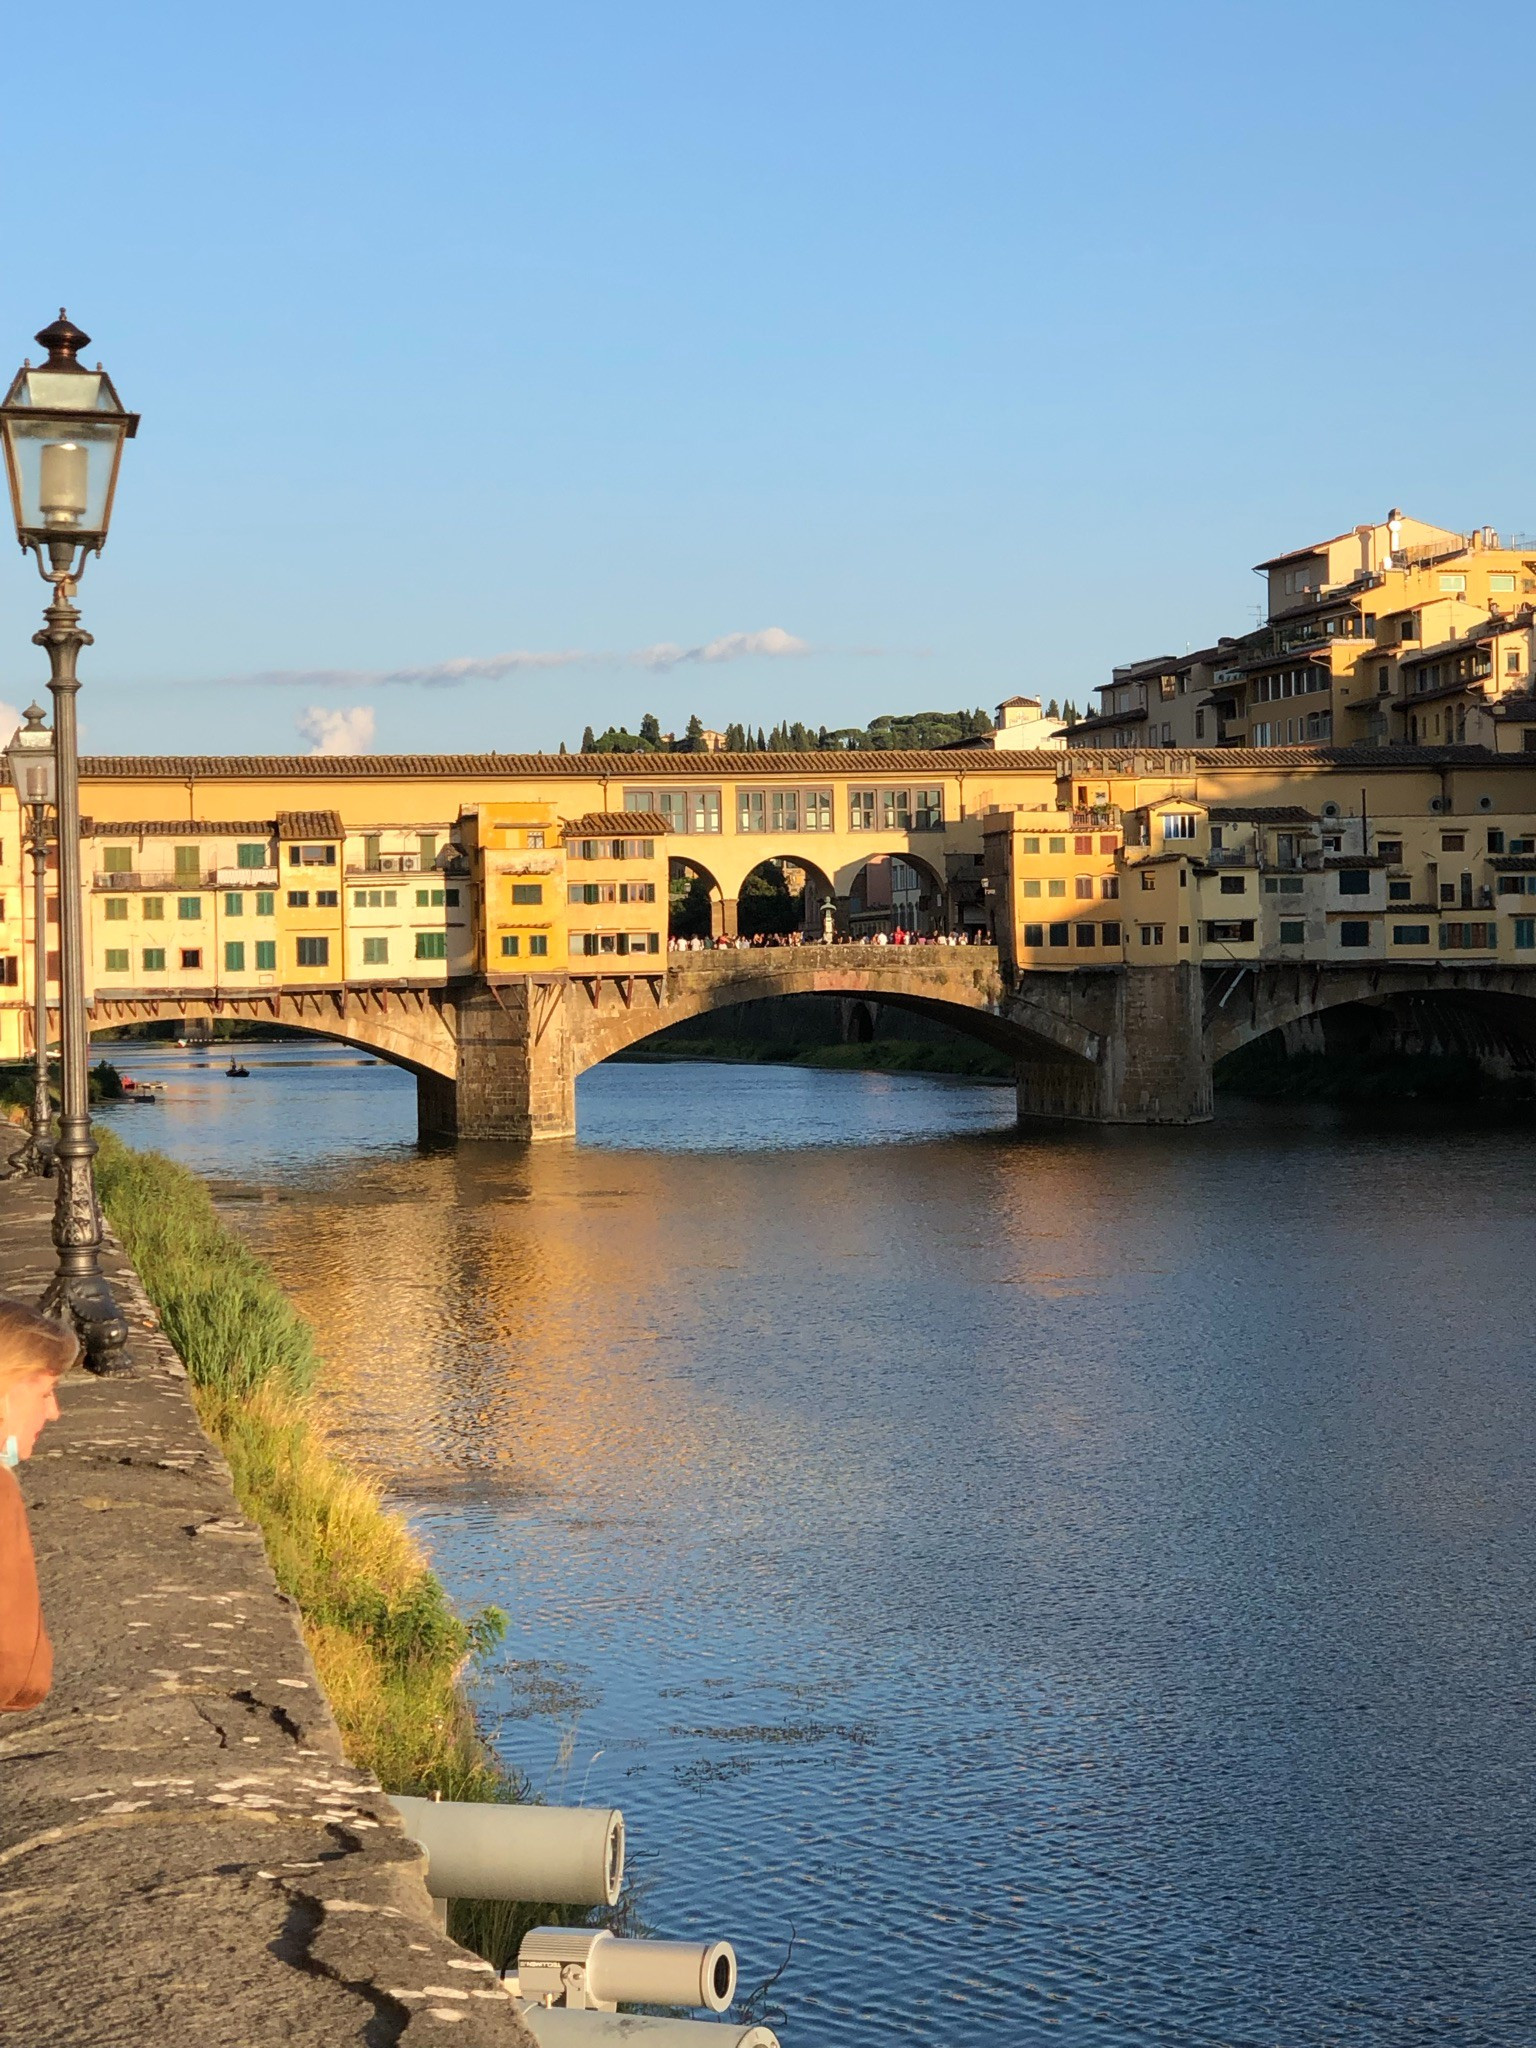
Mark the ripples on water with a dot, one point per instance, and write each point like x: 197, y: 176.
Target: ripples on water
x: 1080, y: 1582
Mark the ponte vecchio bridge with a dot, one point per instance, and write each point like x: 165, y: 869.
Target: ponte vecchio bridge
x: 497, y: 924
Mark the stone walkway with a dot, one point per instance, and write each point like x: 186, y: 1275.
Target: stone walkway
x: 186, y: 1857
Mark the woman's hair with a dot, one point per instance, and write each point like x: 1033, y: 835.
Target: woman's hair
x: 30, y: 1343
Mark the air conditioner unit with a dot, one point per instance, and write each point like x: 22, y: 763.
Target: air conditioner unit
x: 409, y: 863
x: 389, y: 863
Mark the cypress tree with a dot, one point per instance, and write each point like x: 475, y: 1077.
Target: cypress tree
x: 588, y: 740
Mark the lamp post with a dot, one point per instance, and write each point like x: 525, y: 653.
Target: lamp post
x: 35, y: 774
x: 64, y: 427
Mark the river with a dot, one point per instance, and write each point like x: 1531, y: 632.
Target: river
x: 1077, y: 1584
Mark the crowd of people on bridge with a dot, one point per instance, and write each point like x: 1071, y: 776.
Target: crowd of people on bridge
x: 900, y: 936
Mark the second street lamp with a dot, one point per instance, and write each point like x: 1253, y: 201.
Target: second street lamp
x: 64, y: 427
x: 35, y: 774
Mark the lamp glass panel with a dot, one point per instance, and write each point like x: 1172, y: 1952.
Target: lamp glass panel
x: 32, y: 768
x: 62, y: 471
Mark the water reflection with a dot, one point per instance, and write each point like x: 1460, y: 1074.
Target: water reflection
x: 1080, y: 1583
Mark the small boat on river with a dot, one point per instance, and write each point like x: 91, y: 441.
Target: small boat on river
x: 235, y: 1072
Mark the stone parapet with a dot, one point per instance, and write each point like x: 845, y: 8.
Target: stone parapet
x: 185, y: 1853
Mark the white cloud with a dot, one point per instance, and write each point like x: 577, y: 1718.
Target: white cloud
x: 337, y: 732
x: 770, y: 641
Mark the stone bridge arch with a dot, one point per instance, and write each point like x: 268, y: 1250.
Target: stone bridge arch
x: 410, y: 1028
x: 1244, y: 1004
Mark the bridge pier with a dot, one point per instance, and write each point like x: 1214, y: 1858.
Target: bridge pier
x: 516, y: 1068
x: 1154, y: 1066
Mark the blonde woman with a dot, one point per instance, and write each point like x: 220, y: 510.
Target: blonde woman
x: 34, y: 1353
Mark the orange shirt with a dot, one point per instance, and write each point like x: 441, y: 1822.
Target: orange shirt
x: 26, y: 1655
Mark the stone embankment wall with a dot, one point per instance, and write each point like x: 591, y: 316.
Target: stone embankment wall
x: 186, y: 1857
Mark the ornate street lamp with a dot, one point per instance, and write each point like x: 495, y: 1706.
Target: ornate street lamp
x: 35, y: 774
x: 64, y: 427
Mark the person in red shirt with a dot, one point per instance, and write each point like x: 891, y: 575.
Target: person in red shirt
x: 34, y: 1353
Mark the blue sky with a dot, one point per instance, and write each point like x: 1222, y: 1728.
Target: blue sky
x: 960, y: 349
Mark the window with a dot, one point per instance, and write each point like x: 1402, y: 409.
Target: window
x: 511, y: 945
x: 1410, y: 935
x: 1083, y: 843
x: 1399, y: 892
x: 1056, y: 887
x: 1409, y: 629
x: 1034, y: 935
x: 1390, y: 849
x: 1218, y: 837
x: 1383, y: 681
x: 1087, y: 934
x: 153, y: 907
x: 1495, y: 842
x: 376, y: 952
x: 311, y: 856
x: 250, y: 854
x: 1230, y: 931
x: 117, y: 958
x: 1234, y: 885
x: 1032, y: 888
x: 116, y: 909
x: 1354, y: 881
x: 896, y: 810
x: 536, y: 841
x: 1111, y: 935
x: 426, y: 847
x: 861, y: 810
x: 1151, y: 934
x: 818, y: 810
x: 1449, y: 582
x: 266, y: 903
x: 298, y: 899
x: 1512, y: 661
x: 1031, y: 846
x: 191, y: 956
x: 189, y: 908
x: 1060, y: 933
x: 325, y: 899
x: 1355, y: 932
x: 1498, y: 581
x: 527, y: 892
x: 1293, y: 931
x: 1109, y: 888
x: 1468, y: 938
x: 117, y: 860
x: 538, y: 942
x: 431, y: 945
x: 234, y: 905
x: 1082, y: 887
x: 372, y: 842
x: 187, y: 860
x: 266, y: 956
x: 1525, y: 935
x: 314, y: 952
x: 1199, y: 725
x: 637, y: 892
x: 1148, y: 880
x: 359, y: 899
x: 1453, y: 842
x: 1178, y: 824
x: 154, y: 959
x: 234, y: 956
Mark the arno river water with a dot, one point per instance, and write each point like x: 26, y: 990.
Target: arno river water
x: 1084, y: 1585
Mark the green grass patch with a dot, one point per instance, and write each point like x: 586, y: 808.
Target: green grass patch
x: 387, y: 1644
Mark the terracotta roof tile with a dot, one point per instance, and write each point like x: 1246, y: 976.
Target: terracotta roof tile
x: 310, y: 825
x: 629, y: 824
x: 183, y: 828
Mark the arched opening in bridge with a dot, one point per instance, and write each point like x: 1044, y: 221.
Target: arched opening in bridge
x: 784, y: 894
x: 696, y: 906
x: 1449, y: 1045
x: 858, y: 1024
x: 895, y: 892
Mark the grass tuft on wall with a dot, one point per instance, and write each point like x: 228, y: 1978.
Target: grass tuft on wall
x: 388, y: 1646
